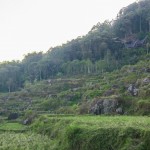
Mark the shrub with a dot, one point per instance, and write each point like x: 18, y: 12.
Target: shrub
x: 13, y: 116
x: 143, y: 107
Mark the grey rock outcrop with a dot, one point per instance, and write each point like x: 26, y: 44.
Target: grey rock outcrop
x: 119, y: 110
x: 26, y: 121
x: 132, y: 90
x: 146, y: 80
x: 106, y: 106
x: 145, y: 70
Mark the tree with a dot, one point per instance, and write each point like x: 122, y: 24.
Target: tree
x: 10, y: 84
x: 148, y: 47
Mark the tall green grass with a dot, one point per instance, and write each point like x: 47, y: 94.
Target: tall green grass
x: 96, y: 132
x: 24, y: 141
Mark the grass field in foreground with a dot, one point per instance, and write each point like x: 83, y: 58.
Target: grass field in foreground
x: 96, y: 132
x: 60, y: 132
x: 24, y: 141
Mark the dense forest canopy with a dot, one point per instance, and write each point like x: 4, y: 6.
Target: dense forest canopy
x: 102, y: 49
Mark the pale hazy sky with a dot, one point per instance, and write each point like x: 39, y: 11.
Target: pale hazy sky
x: 37, y: 25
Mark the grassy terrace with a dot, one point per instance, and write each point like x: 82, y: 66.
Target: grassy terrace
x: 12, y: 126
x: 105, y: 121
x: 69, y: 132
x: 95, y: 132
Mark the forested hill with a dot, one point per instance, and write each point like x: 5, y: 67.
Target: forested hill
x: 106, y: 47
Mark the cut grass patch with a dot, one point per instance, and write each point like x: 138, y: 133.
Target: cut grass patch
x: 9, y: 126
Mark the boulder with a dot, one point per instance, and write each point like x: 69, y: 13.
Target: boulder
x: 109, y: 106
x: 146, y: 80
x: 131, y: 69
x: 28, y: 120
x: 145, y: 70
x: 105, y: 106
x: 132, y: 90
x: 119, y: 111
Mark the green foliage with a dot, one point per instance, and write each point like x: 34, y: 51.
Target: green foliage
x: 10, y: 76
x: 133, y: 19
x: 143, y: 107
x: 83, y: 69
x: 12, y: 126
x: 67, y: 79
x: 79, y: 132
x: 59, y: 95
x: 66, y: 110
x: 89, y: 132
x: 98, y: 51
x: 90, y: 94
x: 21, y: 141
x: 70, y: 96
x: 105, y: 139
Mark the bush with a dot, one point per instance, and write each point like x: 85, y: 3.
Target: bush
x: 29, y: 117
x: 13, y: 116
x: 143, y: 107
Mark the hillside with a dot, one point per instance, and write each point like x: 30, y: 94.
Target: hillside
x: 90, y: 93
x: 124, y: 91
x: 106, y: 71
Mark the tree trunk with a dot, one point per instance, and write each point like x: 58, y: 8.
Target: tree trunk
x: 89, y: 69
x: 40, y: 72
x: 149, y: 25
x: 9, y: 89
x: 147, y: 47
x: 140, y: 24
